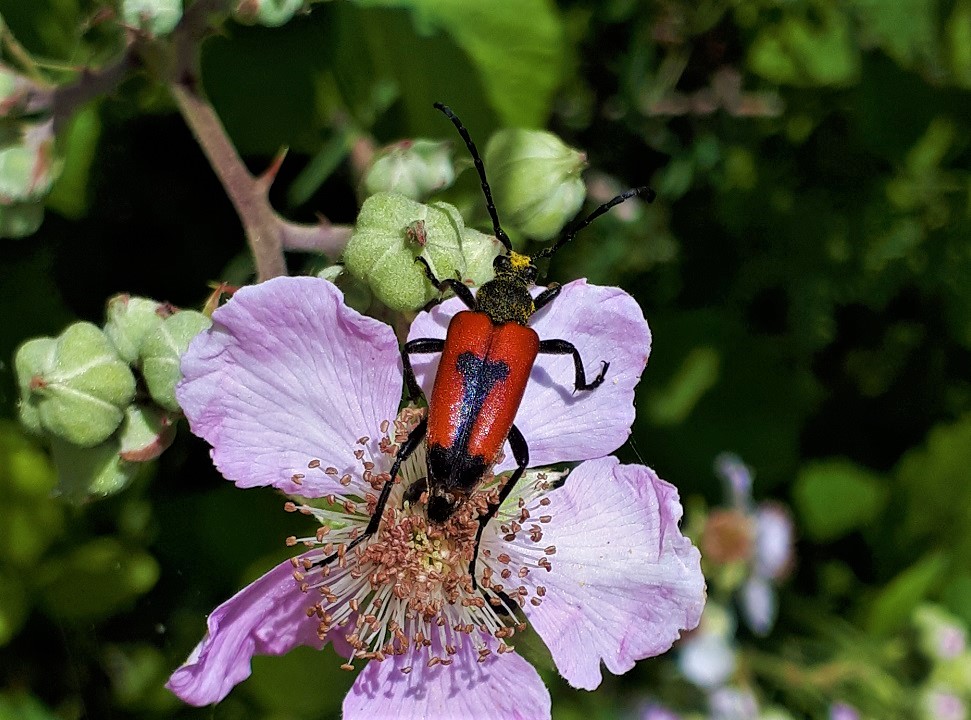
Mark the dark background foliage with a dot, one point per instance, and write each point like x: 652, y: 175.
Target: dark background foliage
x: 804, y: 271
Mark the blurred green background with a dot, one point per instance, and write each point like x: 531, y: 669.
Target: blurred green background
x: 806, y: 272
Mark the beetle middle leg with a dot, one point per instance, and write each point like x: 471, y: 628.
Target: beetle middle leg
x: 418, y: 346
x: 562, y: 347
x: 415, y: 438
x: 520, y: 452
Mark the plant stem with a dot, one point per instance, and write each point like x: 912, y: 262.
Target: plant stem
x: 247, y: 193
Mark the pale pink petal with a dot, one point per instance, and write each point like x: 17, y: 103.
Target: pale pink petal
x: 561, y: 425
x: 288, y: 374
x: 267, y: 617
x: 503, y: 687
x: 624, y: 581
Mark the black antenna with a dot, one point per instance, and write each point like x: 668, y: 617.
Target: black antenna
x: 577, y: 226
x: 480, y: 168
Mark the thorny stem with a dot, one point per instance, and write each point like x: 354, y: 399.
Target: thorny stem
x: 266, y: 232
x: 248, y: 194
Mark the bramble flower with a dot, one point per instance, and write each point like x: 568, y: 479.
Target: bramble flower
x: 761, y: 536
x: 843, y: 711
x: 299, y: 392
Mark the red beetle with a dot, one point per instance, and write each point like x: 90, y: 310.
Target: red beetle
x: 487, y: 356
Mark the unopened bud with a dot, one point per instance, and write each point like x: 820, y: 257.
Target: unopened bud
x: 96, y: 471
x: 535, y: 179
x: 162, y: 352
x: 27, y: 168
x: 272, y: 13
x: 413, y: 168
x: 19, y: 220
x: 14, y: 91
x: 156, y: 17
x: 74, y: 387
x: 392, y: 231
x: 129, y: 320
x: 145, y: 433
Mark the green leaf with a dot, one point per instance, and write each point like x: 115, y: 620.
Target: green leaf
x: 516, y: 45
x: 808, y: 48
x: 834, y: 497
x: 958, y: 32
x: 905, y: 29
x: 78, y: 146
x: 96, y: 580
x: 699, y: 372
x: 937, y: 495
x: 891, y: 608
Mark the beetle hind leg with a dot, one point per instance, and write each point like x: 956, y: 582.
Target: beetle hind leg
x: 520, y: 452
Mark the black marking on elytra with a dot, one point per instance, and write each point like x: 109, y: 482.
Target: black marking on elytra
x: 453, y: 471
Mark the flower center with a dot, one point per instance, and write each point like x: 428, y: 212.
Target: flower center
x: 409, y: 584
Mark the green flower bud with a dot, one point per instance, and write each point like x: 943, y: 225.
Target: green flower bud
x: 156, y: 17
x: 535, y: 180
x: 480, y: 250
x: 86, y: 472
x: 413, y: 168
x: 145, y: 433
x: 162, y: 352
x: 74, y: 387
x: 27, y: 169
x: 393, y: 230
x: 272, y: 13
x: 14, y: 89
x: 130, y: 320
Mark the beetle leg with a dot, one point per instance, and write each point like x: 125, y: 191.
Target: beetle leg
x: 418, y: 346
x: 547, y: 296
x: 460, y: 289
x: 409, y: 446
x: 520, y: 452
x: 562, y: 347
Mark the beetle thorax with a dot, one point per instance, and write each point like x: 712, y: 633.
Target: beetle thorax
x: 506, y: 297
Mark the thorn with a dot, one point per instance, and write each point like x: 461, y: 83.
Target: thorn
x: 265, y: 180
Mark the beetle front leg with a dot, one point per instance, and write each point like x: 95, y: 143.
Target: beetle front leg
x: 562, y: 347
x: 547, y: 296
x: 418, y: 346
x: 460, y: 289
x: 520, y: 452
x: 409, y: 446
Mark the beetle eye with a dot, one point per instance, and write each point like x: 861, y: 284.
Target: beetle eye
x: 501, y: 262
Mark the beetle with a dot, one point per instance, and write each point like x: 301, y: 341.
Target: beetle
x: 486, y: 359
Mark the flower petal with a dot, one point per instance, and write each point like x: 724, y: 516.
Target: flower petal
x: 561, y: 425
x: 503, y: 687
x: 287, y: 374
x: 624, y: 580
x: 267, y: 617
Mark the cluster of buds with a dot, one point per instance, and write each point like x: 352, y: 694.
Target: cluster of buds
x: 28, y: 166
x: 536, y: 185
x: 105, y: 397
x: 271, y: 13
x: 154, y: 17
x: 943, y: 639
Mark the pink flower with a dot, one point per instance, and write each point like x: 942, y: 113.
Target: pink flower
x: 299, y: 392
